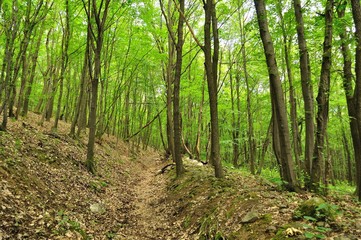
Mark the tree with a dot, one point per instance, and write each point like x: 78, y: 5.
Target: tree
x: 211, y: 66
x: 97, y: 16
x: 356, y: 13
x: 323, y: 99
x: 307, y: 88
x: 177, y: 77
x: 281, y: 136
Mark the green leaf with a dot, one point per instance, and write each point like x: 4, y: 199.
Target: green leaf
x: 309, y: 235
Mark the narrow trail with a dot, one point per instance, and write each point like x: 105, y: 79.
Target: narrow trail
x: 150, y: 217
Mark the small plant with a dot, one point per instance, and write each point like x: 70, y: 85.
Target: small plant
x: 316, y: 209
x: 66, y: 224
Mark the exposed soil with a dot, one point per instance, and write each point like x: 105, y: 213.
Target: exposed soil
x: 150, y: 216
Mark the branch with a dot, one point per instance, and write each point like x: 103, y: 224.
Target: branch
x: 189, y: 27
x: 171, y: 33
x: 146, y: 125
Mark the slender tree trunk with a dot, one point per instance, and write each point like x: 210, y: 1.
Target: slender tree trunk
x: 34, y: 59
x: 197, y: 149
x: 100, y: 16
x: 323, y: 99
x: 356, y: 13
x: 11, y: 34
x: 292, y: 98
x: 307, y: 89
x: 280, y: 115
x: 211, y: 66
x: 64, y: 62
x: 176, y: 109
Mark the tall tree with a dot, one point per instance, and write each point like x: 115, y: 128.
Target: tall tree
x: 64, y: 60
x: 278, y: 103
x: 176, y: 92
x: 323, y: 98
x: 97, y: 15
x: 11, y: 32
x: 211, y: 66
x: 356, y: 13
x: 307, y: 88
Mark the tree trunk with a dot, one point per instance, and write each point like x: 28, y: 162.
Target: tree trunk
x: 280, y: 115
x: 323, y: 99
x: 356, y: 13
x: 211, y: 66
x: 307, y: 89
x: 64, y: 62
x: 100, y: 16
x: 176, y: 111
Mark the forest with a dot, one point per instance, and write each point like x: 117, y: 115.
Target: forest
x: 270, y: 88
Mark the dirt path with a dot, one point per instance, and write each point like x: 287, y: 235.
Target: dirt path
x: 150, y: 217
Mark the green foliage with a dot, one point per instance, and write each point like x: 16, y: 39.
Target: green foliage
x: 209, y: 228
x: 65, y: 224
x: 316, y: 209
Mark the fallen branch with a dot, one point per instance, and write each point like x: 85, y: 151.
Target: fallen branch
x: 165, y: 168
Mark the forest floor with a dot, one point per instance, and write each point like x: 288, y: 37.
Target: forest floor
x: 46, y: 193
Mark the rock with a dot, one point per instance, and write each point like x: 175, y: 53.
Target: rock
x: 271, y: 229
x: 97, y: 208
x: 341, y: 238
x: 250, y: 217
x: 358, y: 224
x: 320, y: 224
x: 284, y: 210
x: 308, y: 208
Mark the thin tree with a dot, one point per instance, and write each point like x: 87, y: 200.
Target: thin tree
x: 281, y: 136
x: 323, y: 99
x: 211, y: 67
x: 356, y: 13
x: 307, y: 89
x: 97, y: 16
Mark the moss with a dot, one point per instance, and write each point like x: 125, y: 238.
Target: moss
x: 316, y: 209
x: 267, y: 218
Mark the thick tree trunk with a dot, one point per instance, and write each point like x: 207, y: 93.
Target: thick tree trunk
x: 347, y: 85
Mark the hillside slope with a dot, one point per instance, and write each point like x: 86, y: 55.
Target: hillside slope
x: 46, y: 193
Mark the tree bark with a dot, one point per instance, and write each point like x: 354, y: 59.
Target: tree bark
x: 356, y: 13
x: 323, y: 99
x: 211, y: 66
x: 279, y: 113
x: 176, y: 111
x: 307, y: 89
